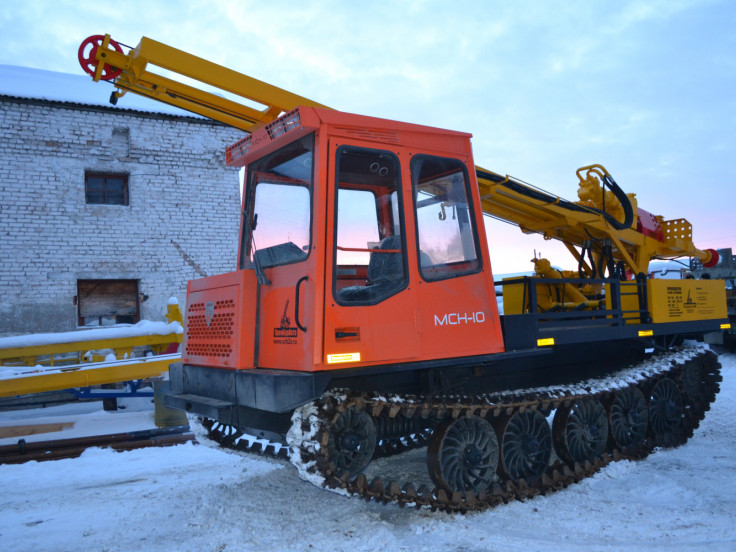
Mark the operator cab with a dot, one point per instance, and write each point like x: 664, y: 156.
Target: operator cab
x: 363, y: 235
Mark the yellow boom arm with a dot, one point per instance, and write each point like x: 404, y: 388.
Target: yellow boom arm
x: 103, y: 59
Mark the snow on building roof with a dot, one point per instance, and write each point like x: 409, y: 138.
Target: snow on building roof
x: 38, y: 84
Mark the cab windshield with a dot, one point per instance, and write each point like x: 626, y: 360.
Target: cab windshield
x: 277, y: 228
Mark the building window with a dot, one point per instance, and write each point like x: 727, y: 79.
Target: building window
x: 106, y: 189
x: 107, y: 302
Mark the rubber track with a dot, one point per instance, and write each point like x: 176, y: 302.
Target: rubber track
x: 558, y: 475
x: 231, y: 438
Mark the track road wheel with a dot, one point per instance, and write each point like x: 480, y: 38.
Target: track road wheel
x: 666, y: 413
x: 352, y: 441
x: 628, y: 418
x: 580, y: 431
x: 526, y: 445
x: 462, y: 455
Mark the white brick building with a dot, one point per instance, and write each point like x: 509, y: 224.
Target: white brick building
x: 105, y: 212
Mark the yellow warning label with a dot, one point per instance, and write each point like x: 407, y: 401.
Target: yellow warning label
x: 343, y: 357
x: 686, y: 300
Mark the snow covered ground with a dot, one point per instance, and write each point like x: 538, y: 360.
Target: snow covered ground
x: 193, y: 497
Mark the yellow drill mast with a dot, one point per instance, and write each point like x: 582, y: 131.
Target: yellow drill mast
x: 596, y: 223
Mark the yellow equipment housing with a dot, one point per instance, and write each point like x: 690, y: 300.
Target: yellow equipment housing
x: 686, y: 300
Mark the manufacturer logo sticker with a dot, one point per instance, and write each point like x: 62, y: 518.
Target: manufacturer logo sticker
x: 285, y: 334
x: 209, y: 312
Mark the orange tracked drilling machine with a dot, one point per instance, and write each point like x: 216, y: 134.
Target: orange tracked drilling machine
x: 363, y: 263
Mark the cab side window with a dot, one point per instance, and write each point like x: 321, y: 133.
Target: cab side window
x: 446, y: 233
x: 369, y: 256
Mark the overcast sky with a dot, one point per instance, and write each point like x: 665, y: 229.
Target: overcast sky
x: 647, y: 89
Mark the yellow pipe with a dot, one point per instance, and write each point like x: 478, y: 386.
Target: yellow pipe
x: 87, y: 375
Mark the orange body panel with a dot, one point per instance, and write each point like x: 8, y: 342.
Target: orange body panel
x: 219, y: 323
x: 281, y: 343
x: 386, y: 332
x: 459, y: 319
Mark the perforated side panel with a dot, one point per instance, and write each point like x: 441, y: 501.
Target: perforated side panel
x: 213, y: 340
x: 677, y: 229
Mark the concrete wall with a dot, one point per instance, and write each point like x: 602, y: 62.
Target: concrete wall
x: 181, y: 223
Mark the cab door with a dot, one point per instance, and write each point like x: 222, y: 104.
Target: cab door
x: 369, y: 301
x: 278, y: 239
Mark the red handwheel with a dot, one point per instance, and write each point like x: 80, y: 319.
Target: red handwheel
x: 89, y: 62
x: 714, y: 258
